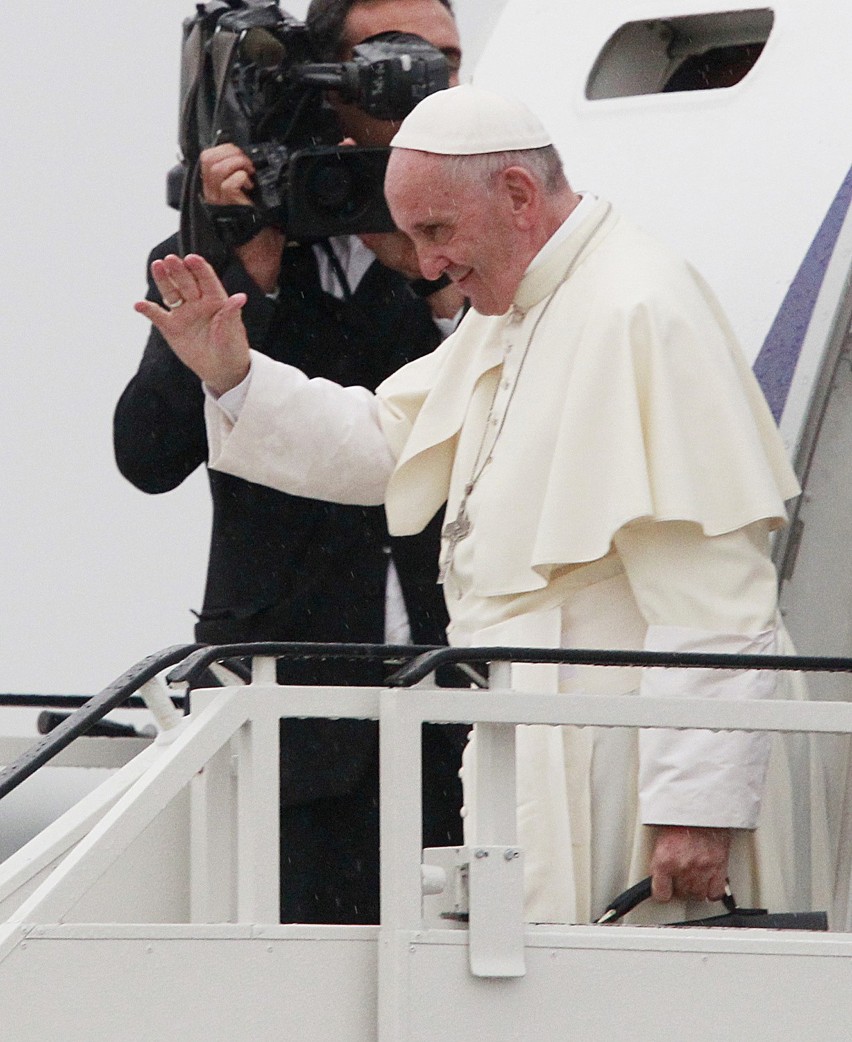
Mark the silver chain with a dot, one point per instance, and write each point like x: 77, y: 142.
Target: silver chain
x: 454, y: 531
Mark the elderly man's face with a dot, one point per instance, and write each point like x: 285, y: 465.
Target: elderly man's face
x: 426, y: 18
x: 459, y: 227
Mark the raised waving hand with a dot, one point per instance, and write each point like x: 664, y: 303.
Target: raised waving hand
x: 200, y: 322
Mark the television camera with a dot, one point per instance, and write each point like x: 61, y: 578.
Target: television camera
x: 249, y: 75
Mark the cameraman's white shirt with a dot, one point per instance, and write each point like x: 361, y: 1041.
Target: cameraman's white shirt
x: 355, y: 259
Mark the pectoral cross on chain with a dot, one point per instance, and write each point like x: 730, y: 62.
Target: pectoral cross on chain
x: 453, y: 532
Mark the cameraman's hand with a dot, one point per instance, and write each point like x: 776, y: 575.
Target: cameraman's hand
x: 204, y: 326
x: 227, y: 178
x: 395, y: 250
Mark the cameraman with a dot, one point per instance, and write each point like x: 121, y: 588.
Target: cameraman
x: 291, y: 569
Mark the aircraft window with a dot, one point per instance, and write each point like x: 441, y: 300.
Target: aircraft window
x: 695, y: 52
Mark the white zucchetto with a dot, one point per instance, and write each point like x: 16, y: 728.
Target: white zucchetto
x: 469, y: 121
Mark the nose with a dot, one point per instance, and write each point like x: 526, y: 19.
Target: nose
x: 432, y: 264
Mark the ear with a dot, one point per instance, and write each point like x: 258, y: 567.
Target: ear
x: 524, y: 194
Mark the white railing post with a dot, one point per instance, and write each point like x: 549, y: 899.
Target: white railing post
x: 213, y: 842
x: 400, y: 829
x: 495, y: 787
x: 258, y: 822
x: 495, y: 869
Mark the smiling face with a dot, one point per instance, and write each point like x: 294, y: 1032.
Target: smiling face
x: 426, y: 18
x: 482, y: 236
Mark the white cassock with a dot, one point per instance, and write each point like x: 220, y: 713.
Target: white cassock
x: 633, y: 477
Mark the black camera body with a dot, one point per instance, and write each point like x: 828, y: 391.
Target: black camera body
x: 249, y: 76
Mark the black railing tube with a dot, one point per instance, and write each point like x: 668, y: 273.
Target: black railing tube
x: 19, y: 700
x: 194, y: 665
x: 424, y: 664
x: 78, y: 723
x: 191, y: 661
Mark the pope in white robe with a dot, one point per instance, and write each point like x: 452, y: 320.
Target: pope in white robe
x: 611, y: 475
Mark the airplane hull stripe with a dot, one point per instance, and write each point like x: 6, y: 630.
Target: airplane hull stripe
x: 776, y: 362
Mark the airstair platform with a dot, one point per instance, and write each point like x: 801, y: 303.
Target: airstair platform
x: 149, y: 910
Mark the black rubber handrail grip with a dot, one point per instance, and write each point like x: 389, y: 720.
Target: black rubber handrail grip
x: 191, y: 668
x: 32, y: 701
x: 97, y: 707
x: 424, y: 664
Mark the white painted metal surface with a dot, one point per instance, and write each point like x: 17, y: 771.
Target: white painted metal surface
x: 28, y: 810
x: 148, y: 912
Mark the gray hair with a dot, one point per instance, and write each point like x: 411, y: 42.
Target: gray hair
x: 544, y: 164
x: 326, y: 20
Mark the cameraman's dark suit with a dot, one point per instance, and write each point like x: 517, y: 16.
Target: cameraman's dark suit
x: 286, y: 568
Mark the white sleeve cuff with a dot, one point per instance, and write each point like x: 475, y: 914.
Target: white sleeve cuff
x: 231, y: 402
x: 704, y: 778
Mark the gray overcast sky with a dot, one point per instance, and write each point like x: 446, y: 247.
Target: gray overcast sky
x: 95, y: 575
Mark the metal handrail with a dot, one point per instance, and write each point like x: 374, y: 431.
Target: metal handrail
x: 20, y: 700
x: 194, y: 665
x: 419, y: 661
x: 191, y: 660
x: 424, y: 664
x: 85, y: 718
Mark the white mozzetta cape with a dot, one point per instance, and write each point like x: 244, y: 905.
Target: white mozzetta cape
x: 634, y: 402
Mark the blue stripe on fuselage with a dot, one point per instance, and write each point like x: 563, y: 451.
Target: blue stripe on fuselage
x: 776, y: 362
